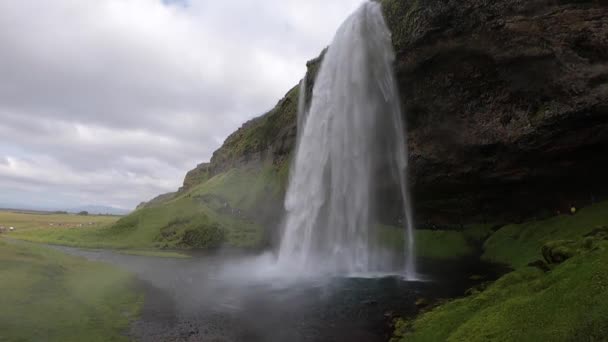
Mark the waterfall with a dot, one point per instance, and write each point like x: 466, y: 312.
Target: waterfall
x: 350, y: 138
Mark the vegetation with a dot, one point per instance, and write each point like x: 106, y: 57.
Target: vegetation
x: 438, y: 244
x: 46, y: 295
x: 218, y: 212
x: 402, y: 17
x: 519, y: 244
x: 257, y: 134
x: 25, y: 221
x: 561, y: 296
x: 154, y: 253
x: 568, y: 303
x: 195, y: 232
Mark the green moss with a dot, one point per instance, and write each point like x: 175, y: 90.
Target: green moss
x: 442, y: 244
x: 48, y: 296
x: 478, y: 233
x: 569, y: 303
x: 257, y: 134
x: 402, y: 19
x: 519, y: 244
x: 565, y: 300
x: 433, y: 244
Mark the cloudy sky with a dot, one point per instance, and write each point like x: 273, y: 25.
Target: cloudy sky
x: 110, y: 102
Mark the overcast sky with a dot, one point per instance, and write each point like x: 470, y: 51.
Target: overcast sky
x: 111, y: 102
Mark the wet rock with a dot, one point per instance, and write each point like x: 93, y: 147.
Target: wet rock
x: 369, y: 302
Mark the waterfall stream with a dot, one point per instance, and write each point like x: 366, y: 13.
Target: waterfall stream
x: 351, y: 136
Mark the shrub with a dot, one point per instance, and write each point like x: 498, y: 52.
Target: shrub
x: 207, y: 237
x: 200, y: 232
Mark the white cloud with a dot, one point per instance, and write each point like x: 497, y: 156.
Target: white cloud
x: 112, y: 101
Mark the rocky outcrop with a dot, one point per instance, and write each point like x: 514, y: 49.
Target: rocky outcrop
x: 196, y: 176
x: 270, y: 137
x: 506, y: 103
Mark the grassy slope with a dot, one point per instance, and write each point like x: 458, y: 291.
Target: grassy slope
x: 519, y: 244
x: 242, y: 189
x: 568, y: 303
x: 48, y: 296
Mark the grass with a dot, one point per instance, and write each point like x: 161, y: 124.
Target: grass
x: 429, y: 244
x: 568, y: 301
x: 46, y: 295
x: 26, y: 221
x: 155, y: 253
x: 519, y: 244
x: 198, y: 218
x: 243, y: 188
x: 438, y: 244
x: 142, y: 229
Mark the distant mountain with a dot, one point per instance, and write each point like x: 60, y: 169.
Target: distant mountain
x: 100, y: 209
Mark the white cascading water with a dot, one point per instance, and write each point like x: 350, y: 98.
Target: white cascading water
x: 352, y: 129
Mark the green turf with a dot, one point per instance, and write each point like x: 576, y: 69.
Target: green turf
x: 568, y: 302
x: 519, y: 244
x: 46, y: 295
x: 438, y: 244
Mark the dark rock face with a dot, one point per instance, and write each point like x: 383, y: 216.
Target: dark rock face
x: 506, y: 103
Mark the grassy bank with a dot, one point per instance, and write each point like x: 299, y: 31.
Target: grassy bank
x: 46, y: 295
x: 564, y: 297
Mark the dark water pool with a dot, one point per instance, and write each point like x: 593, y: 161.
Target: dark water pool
x: 237, y: 298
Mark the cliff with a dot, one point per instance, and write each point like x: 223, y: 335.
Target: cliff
x: 506, y: 104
